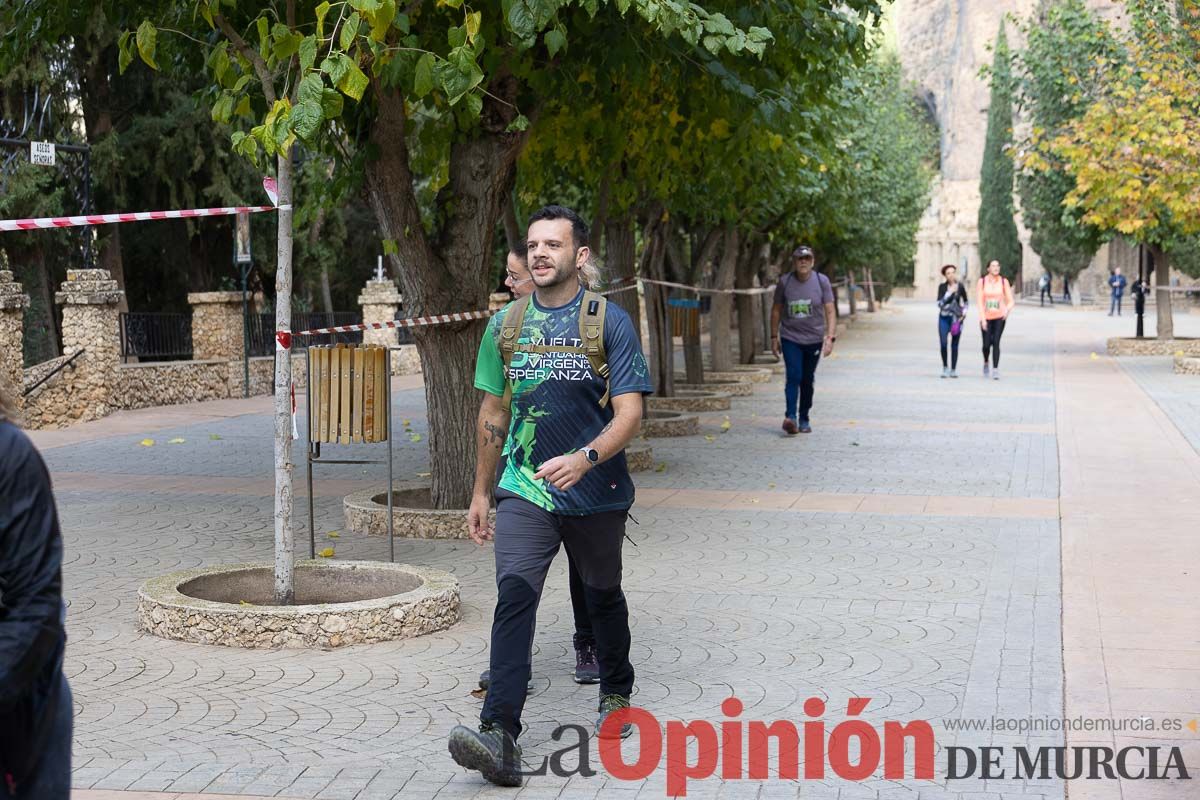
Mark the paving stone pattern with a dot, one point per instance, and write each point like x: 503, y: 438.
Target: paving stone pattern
x: 932, y: 617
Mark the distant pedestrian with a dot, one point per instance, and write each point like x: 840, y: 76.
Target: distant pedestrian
x: 1044, y: 292
x: 952, y: 310
x: 35, y: 700
x: 995, y: 303
x: 803, y: 328
x: 1140, y: 288
x: 1116, y: 283
x: 1066, y: 288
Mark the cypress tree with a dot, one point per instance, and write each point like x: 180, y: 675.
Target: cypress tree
x: 997, y: 216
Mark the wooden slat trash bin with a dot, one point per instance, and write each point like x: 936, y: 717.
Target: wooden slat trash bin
x: 346, y: 392
x: 349, y: 402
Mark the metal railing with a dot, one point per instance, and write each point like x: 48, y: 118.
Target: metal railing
x: 262, y: 329
x: 66, y: 362
x: 155, y: 336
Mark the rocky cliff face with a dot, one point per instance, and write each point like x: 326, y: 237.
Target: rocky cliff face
x: 942, y: 46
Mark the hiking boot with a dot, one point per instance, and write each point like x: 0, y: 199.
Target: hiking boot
x: 608, y: 704
x: 789, y: 426
x: 587, y: 667
x: 485, y: 680
x: 805, y: 427
x: 945, y: 372
x: 490, y: 751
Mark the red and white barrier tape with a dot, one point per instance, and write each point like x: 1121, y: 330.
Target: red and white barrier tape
x: 702, y: 290
x: 411, y: 322
x: 136, y: 216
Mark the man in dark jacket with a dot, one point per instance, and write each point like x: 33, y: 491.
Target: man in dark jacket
x: 35, y: 701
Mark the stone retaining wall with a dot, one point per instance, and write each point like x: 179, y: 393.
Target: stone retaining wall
x: 1149, y: 346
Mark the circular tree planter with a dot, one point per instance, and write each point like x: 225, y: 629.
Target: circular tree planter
x: 669, y: 423
x: 751, y: 372
x: 691, y: 400
x: 1187, y: 365
x: 413, y: 513
x: 639, y: 457
x: 736, y: 388
x: 1149, y: 346
x: 337, y: 603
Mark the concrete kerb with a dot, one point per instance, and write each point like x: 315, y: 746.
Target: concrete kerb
x: 428, y: 602
x: 412, y: 513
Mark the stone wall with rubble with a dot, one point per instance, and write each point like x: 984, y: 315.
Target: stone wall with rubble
x: 95, y: 382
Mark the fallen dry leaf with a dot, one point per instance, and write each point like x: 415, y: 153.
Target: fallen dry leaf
x: 416, y: 437
x: 334, y: 535
x: 326, y: 553
x: 176, y: 440
x: 147, y: 443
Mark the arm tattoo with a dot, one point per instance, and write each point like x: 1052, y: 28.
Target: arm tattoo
x: 605, y: 429
x: 495, y: 435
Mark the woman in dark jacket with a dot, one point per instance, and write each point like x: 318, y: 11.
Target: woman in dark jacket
x: 35, y: 701
x: 952, y: 310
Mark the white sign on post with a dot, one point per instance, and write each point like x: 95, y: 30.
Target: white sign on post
x: 41, y: 153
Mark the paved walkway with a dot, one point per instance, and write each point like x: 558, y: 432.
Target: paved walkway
x: 908, y: 551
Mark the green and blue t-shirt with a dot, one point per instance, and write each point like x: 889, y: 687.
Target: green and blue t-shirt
x: 556, y: 404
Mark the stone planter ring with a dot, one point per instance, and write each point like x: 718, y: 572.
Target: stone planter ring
x: 413, y: 514
x: 338, y: 603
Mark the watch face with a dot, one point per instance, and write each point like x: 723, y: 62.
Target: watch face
x: 592, y: 455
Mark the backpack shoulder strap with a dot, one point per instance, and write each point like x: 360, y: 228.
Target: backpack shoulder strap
x: 591, y: 332
x: 510, y: 332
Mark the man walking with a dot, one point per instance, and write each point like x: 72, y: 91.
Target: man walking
x: 563, y: 376
x: 587, y: 668
x: 1117, y: 283
x: 803, y: 327
x: 35, y: 700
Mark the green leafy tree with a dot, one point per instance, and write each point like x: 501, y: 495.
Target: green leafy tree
x: 1057, y: 81
x: 998, y: 238
x: 1135, y: 153
x: 429, y: 106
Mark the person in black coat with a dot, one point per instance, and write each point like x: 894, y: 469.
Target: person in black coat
x: 952, y: 310
x: 35, y: 700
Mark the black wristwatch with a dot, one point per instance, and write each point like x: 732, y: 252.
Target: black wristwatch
x: 591, y: 454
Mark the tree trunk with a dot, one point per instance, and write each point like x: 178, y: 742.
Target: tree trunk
x: 870, y: 290
x: 326, y: 295
x: 512, y: 228
x: 448, y: 271
x: 1162, y: 283
x: 721, y: 316
x: 96, y: 100
x: 746, y: 306
x: 620, y: 248
x: 693, y: 355
x: 600, y: 220
x: 284, y: 544
x: 850, y: 290
x: 661, y: 350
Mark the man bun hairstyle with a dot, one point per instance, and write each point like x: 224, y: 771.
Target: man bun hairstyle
x: 579, y: 228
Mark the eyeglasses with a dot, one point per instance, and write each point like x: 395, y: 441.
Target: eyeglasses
x: 512, y: 280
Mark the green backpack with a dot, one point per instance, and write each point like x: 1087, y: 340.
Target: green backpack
x: 591, y: 333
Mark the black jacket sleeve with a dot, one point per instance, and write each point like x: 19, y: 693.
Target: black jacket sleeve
x: 31, y: 631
